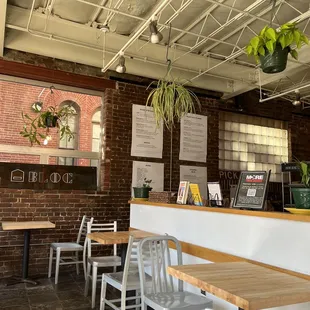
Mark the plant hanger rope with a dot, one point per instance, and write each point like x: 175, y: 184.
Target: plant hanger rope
x: 273, y: 2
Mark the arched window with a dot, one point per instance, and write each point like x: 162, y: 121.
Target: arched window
x: 95, y: 136
x: 72, y: 144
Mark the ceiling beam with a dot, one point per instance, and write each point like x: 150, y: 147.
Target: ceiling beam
x: 54, y: 76
x: 78, y: 43
x: 3, y: 5
x: 205, y: 14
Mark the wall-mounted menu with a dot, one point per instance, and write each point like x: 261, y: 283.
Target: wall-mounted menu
x: 194, y: 135
x: 196, y: 175
x: 252, y: 189
x: 151, y: 171
x: 147, y: 139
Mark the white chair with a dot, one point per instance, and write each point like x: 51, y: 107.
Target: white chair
x: 96, y: 262
x: 74, y: 247
x: 125, y: 281
x: 163, y: 295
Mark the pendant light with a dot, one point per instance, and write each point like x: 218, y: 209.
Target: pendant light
x: 297, y: 101
x: 156, y: 36
x: 121, y: 68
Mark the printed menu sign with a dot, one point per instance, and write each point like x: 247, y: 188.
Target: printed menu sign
x: 147, y: 139
x: 194, y: 135
x: 251, y: 190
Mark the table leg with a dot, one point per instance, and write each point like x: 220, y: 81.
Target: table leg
x: 26, y: 254
x: 24, y: 279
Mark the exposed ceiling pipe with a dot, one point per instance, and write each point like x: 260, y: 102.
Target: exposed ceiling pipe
x: 142, y: 59
x: 30, y: 15
x: 285, y: 93
x: 97, y: 11
x: 159, y: 8
x: 197, y: 21
x: 159, y: 24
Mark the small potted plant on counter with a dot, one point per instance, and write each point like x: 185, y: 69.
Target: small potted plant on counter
x: 38, y: 126
x: 142, y: 193
x: 301, y: 194
x: 272, y: 46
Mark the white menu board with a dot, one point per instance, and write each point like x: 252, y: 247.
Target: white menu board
x: 194, y: 135
x: 197, y: 175
x: 151, y: 171
x: 147, y: 139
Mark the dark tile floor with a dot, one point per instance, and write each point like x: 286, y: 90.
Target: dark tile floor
x: 67, y: 295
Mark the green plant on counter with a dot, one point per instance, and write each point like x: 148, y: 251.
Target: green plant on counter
x: 275, y: 44
x: 147, y: 183
x: 171, y: 101
x: 51, y: 118
x: 304, y: 169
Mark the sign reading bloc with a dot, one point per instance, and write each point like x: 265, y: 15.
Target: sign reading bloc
x: 251, y: 190
x: 34, y: 176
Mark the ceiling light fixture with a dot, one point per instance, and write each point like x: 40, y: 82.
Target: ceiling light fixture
x: 156, y: 36
x: 121, y: 68
x: 297, y: 101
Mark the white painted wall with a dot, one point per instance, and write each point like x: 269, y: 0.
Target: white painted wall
x: 281, y: 243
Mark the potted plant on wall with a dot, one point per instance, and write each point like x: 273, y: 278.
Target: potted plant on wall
x: 302, y: 194
x: 142, y: 193
x: 38, y: 126
x: 272, y: 46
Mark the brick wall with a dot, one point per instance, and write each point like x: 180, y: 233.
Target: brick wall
x: 16, y: 97
x: 66, y: 208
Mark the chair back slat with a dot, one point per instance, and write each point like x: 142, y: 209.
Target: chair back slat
x: 97, y: 227
x: 160, y: 258
x: 83, y: 228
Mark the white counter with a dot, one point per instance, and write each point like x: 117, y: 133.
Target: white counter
x: 282, y: 241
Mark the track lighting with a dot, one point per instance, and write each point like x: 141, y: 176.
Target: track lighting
x: 297, y: 101
x: 156, y: 36
x: 121, y: 68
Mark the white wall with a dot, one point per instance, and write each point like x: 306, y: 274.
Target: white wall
x: 276, y: 242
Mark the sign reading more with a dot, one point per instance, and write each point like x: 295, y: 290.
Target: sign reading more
x: 251, y: 190
x: 35, y: 176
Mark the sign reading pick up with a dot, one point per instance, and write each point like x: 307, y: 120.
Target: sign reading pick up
x: 251, y: 190
x: 33, y: 176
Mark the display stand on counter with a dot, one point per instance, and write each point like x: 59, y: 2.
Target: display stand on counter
x: 252, y: 190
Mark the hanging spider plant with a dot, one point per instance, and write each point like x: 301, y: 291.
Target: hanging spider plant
x: 171, y: 101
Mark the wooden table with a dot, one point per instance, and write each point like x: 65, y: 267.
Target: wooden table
x: 26, y: 227
x: 248, y: 286
x: 119, y: 237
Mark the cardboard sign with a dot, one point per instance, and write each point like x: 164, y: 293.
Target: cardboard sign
x: 251, y: 190
x: 35, y: 176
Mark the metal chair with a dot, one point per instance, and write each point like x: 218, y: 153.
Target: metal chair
x: 75, y: 247
x: 125, y: 281
x: 163, y: 295
x: 96, y: 262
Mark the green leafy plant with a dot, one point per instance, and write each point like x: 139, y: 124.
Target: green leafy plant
x: 34, y: 127
x: 147, y: 183
x: 304, y: 169
x: 171, y: 101
x: 286, y: 36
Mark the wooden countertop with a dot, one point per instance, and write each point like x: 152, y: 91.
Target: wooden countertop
x: 273, y: 215
x: 27, y: 225
x: 245, y: 285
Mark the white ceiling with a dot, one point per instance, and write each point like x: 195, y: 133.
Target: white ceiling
x: 207, y: 37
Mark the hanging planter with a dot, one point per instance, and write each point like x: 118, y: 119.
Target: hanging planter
x: 271, y: 47
x: 34, y: 126
x: 50, y: 120
x: 171, y: 101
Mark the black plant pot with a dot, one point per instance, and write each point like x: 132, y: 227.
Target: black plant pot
x: 51, y: 121
x: 276, y: 62
x: 141, y: 192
